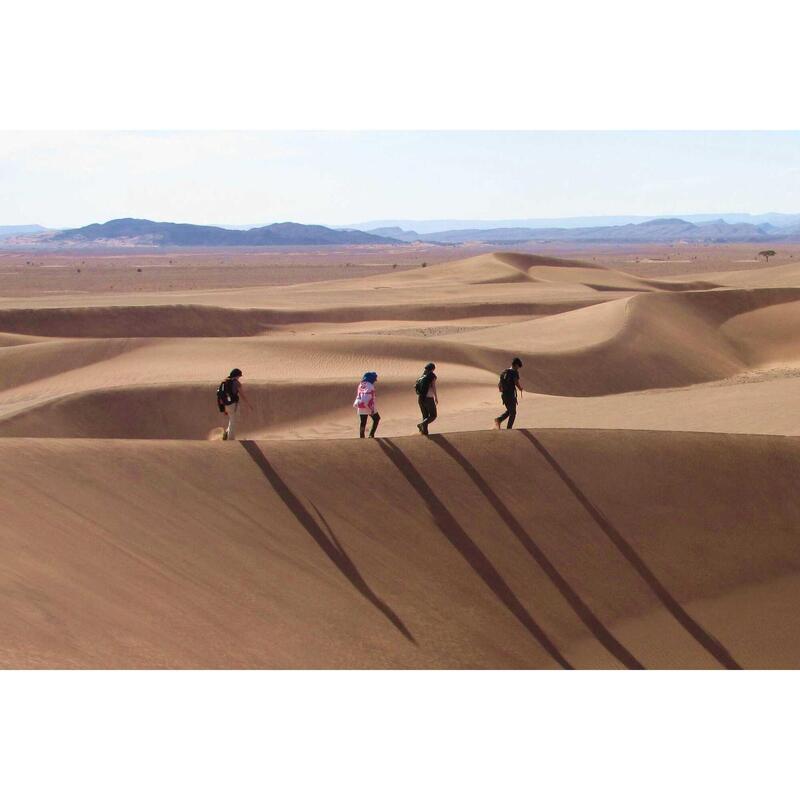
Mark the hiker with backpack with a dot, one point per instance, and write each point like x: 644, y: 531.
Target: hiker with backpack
x: 365, y: 404
x: 427, y: 397
x: 508, y: 385
x: 228, y: 395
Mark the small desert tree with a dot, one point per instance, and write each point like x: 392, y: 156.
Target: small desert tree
x: 767, y: 254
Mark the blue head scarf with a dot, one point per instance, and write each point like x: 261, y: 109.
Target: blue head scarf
x: 371, y: 377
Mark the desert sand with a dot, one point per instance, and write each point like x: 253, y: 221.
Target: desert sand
x: 643, y: 514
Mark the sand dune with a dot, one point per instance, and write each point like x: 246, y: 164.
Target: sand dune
x: 471, y: 550
x: 163, y: 388
x: 130, y: 537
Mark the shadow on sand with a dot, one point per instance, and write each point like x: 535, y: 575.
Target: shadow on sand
x: 469, y: 551
x: 587, y: 616
x: 705, y: 639
x: 327, y: 542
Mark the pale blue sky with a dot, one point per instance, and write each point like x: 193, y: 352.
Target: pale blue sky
x: 337, y: 178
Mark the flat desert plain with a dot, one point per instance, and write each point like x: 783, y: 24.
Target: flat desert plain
x: 644, y: 513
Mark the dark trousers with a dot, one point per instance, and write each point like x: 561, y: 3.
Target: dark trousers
x: 427, y: 405
x: 511, y: 411
x: 376, y: 418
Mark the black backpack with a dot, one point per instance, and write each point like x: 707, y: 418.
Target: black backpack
x: 226, y: 394
x: 423, y: 384
x: 507, y: 385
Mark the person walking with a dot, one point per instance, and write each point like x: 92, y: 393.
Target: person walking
x: 229, y: 393
x: 427, y: 396
x: 365, y: 404
x: 508, y: 386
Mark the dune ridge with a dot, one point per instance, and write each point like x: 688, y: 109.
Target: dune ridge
x: 209, y: 321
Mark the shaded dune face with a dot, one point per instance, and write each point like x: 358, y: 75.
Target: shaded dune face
x: 122, y: 322
x: 131, y: 536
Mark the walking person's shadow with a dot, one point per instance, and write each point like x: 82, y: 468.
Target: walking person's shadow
x: 470, y: 551
x: 701, y: 636
x: 326, y: 540
x: 575, y: 601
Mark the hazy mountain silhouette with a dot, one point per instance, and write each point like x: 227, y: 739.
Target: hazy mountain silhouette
x: 433, y: 226
x: 147, y: 232
x: 653, y: 231
x: 119, y: 232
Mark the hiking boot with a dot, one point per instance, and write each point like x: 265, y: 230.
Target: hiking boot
x: 497, y: 424
x: 224, y: 436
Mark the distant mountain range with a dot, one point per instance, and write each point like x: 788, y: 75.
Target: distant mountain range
x: 142, y: 232
x: 432, y: 226
x: 654, y: 231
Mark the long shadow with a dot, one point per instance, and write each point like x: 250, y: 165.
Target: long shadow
x: 587, y: 616
x: 327, y: 543
x: 705, y: 639
x: 469, y: 551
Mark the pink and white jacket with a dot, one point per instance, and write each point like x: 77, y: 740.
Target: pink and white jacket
x: 365, y: 398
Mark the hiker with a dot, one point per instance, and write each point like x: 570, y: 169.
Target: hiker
x: 427, y: 397
x: 365, y: 404
x: 508, y: 385
x: 228, y: 395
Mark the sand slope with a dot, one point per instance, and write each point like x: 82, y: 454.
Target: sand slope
x: 519, y: 549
